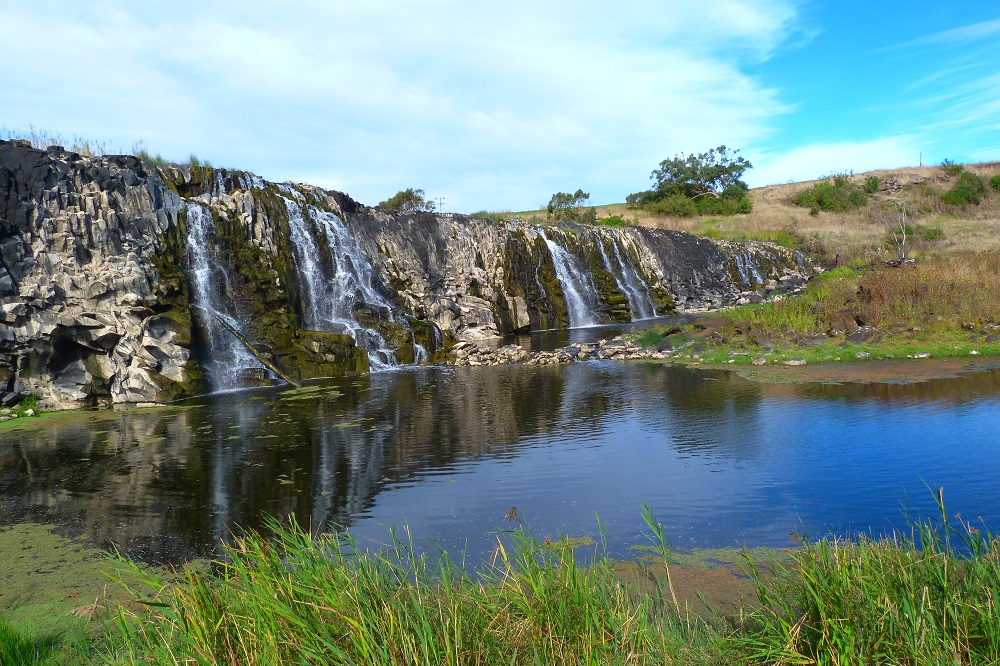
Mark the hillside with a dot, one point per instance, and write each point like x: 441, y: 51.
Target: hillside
x: 857, y: 235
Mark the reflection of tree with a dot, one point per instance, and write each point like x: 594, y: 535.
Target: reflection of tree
x: 169, y: 483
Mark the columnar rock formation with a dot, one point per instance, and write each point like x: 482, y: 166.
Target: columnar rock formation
x: 122, y: 281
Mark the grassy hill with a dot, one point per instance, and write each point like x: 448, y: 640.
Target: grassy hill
x: 857, y: 234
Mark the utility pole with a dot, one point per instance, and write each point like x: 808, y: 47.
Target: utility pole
x: 440, y: 201
x: 921, y: 158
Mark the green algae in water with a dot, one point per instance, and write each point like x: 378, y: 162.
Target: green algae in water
x: 309, y: 393
x: 50, y: 585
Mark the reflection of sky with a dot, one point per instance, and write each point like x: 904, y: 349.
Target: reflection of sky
x: 721, y: 461
x: 748, y: 470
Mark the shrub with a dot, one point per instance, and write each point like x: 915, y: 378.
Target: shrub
x: 649, y: 338
x: 931, y: 233
x: 995, y: 183
x: 612, y: 221
x: 723, y: 205
x: 951, y: 167
x: 839, y: 195
x: 676, y: 205
x: 872, y: 183
x: 969, y: 189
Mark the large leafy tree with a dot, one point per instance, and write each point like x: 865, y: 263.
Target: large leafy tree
x: 716, y: 172
x: 408, y: 201
x: 570, y: 207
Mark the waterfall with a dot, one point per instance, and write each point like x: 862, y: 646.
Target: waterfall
x: 229, y: 362
x: 640, y: 303
x: 331, y: 292
x: 577, y: 286
x: 750, y: 276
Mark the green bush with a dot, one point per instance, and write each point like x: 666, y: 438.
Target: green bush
x: 676, y: 205
x: 931, y: 233
x: 872, y: 183
x: 649, y: 338
x: 837, y: 196
x: 951, y: 167
x: 612, y: 221
x: 723, y: 205
x: 969, y: 189
x: 995, y: 183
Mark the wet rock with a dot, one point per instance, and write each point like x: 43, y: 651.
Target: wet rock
x: 760, y: 361
x: 94, y: 301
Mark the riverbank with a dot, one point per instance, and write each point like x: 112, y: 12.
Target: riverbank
x: 296, y: 597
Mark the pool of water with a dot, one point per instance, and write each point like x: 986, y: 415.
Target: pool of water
x: 447, y: 452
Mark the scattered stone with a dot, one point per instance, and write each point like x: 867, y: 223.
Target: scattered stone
x: 29, y: 412
x: 974, y: 352
x: 922, y: 355
x: 862, y: 356
x: 795, y: 361
x: 760, y: 361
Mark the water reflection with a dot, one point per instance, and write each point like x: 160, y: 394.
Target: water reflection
x: 722, y: 461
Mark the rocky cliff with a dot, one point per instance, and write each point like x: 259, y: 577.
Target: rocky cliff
x: 124, y: 282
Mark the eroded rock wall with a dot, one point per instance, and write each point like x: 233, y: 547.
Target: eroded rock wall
x: 95, y: 278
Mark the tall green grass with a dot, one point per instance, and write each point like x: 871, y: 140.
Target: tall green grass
x: 20, y: 649
x: 928, y: 596
x: 300, y: 598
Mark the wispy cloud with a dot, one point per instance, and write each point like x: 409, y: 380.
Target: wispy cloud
x: 818, y: 160
x: 487, y: 104
x: 962, y: 34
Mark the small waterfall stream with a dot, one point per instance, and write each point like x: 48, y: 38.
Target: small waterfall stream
x: 228, y: 361
x: 577, y: 286
x: 640, y: 303
x: 331, y: 294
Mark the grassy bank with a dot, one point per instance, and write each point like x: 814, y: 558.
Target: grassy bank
x: 944, y: 307
x: 926, y: 596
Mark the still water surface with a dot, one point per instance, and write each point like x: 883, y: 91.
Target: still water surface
x: 721, y: 461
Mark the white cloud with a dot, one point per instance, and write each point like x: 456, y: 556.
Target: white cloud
x: 491, y: 105
x: 817, y: 160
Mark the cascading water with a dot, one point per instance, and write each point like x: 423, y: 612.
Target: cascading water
x: 331, y: 292
x: 640, y: 303
x: 577, y: 286
x: 228, y: 362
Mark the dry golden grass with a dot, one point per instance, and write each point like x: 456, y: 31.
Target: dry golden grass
x: 855, y: 235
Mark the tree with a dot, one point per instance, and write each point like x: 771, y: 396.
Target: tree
x: 709, y: 173
x: 893, y: 219
x: 569, y: 207
x: 408, y: 201
x: 709, y: 182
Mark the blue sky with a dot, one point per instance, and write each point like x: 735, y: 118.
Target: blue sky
x: 498, y: 105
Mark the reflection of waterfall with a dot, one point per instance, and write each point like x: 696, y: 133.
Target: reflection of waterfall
x: 640, y: 304
x: 577, y: 286
x: 229, y: 362
x: 332, y: 291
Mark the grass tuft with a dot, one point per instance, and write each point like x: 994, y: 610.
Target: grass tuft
x: 317, y: 599
x: 924, y: 597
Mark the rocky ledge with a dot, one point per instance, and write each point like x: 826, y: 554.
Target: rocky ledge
x: 619, y: 348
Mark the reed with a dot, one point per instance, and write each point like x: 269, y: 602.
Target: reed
x: 317, y: 599
x: 924, y: 596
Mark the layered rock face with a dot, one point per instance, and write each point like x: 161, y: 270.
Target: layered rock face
x: 125, y: 282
